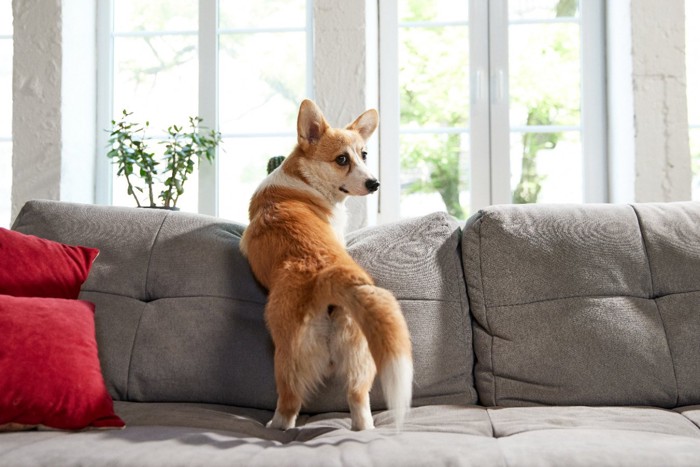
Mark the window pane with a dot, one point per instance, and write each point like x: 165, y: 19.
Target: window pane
x: 435, y: 10
x: 262, y: 14
x: 5, y: 87
x: 695, y: 155
x: 5, y: 183
x: 546, y: 167
x: 243, y: 166
x: 155, y: 15
x: 156, y: 79
x: 434, y: 76
x: 435, y: 173
x: 262, y: 81
x: 6, y: 17
x: 434, y: 108
x: 545, y: 74
x: 542, y: 9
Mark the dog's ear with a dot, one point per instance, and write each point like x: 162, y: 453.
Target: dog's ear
x: 310, y: 124
x: 365, y: 124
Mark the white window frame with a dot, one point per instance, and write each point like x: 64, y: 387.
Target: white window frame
x: 489, y: 107
x: 208, y: 33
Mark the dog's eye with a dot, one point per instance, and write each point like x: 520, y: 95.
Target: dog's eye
x: 364, y: 155
x: 342, y: 160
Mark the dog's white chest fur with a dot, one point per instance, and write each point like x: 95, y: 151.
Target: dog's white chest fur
x: 339, y: 220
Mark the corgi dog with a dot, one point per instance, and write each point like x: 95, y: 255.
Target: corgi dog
x: 324, y: 313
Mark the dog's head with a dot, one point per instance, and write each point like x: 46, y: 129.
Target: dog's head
x: 332, y: 160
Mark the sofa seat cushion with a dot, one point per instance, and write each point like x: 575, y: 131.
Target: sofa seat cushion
x: 179, y: 315
x: 691, y: 412
x: 585, y: 304
x: 212, y: 435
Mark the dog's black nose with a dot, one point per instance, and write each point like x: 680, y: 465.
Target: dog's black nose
x: 372, y: 185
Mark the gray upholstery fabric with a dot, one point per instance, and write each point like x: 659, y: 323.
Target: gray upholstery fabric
x: 587, y: 304
x: 179, y: 316
x: 185, y: 434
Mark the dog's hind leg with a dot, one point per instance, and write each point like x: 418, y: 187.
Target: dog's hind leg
x: 288, y: 400
x: 300, y: 334
x: 354, y: 363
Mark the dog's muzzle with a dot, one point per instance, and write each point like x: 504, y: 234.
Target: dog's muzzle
x: 372, y: 185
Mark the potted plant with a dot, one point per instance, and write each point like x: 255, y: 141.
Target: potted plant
x: 129, y: 150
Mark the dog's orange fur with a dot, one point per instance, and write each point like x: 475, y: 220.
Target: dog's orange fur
x: 324, y: 312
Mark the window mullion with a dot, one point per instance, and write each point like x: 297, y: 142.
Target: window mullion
x: 208, y: 99
x: 593, y: 114
x: 479, y: 121
x: 105, y: 92
x: 389, y: 163
x: 500, y: 102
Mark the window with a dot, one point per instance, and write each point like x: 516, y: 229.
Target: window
x: 692, y: 54
x: 498, y: 101
x: 5, y: 112
x: 242, y: 66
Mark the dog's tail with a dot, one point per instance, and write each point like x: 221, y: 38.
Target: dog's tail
x: 379, y: 316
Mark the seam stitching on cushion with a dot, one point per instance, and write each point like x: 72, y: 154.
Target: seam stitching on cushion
x: 567, y: 298
x: 497, y: 439
x: 131, y: 351
x: 150, y: 257
x: 143, y: 310
x: 658, y: 311
x: 493, y: 430
x: 646, y: 251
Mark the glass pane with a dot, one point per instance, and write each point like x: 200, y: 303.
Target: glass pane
x: 5, y: 183
x: 433, y: 10
x: 155, y: 15
x: 434, y: 76
x: 243, y: 166
x: 156, y: 78
x: 546, y: 167
x: 5, y: 87
x: 435, y: 173
x: 545, y: 74
x: 695, y: 159
x: 542, y: 9
x: 434, y: 108
x: 262, y: 81
x: 262, y: 14
x: 6, y: 17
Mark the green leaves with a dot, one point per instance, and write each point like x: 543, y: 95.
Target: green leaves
x: 182, y: 147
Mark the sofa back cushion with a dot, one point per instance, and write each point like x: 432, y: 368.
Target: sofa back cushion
x: 586, y: 304
x: 179, y: 315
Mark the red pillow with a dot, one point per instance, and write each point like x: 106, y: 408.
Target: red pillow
x: 34, y: 267
x: 49, y: 370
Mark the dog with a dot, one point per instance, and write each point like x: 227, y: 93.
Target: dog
x: 324, y: 313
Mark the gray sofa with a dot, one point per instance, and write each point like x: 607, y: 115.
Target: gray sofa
x: 542, y: 335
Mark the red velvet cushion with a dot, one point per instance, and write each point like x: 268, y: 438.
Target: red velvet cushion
x: 34, y: 267
x: 49, y: 370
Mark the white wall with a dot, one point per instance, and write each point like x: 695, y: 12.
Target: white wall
x: 54, y: 124
x: 346, y: 77
x: 647, y: 103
